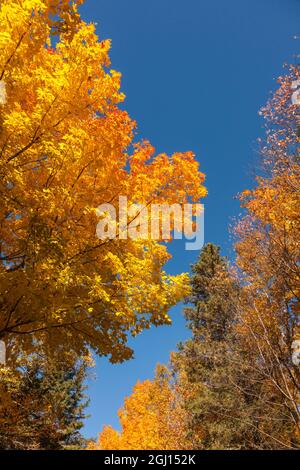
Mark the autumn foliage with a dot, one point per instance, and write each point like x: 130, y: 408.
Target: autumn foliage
x: 241, y: 387
x: 152, y: 418
x: 66, y: 147
x: 268, y: 254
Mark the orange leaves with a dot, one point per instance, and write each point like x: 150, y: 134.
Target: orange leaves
x: 109, y: 439
x: 268, y: 245
x: 64, y: 151
x: 176, y: 178
x: 151, y: 419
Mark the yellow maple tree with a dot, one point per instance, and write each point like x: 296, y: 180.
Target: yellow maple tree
x: 152, y: 418
x: 65, y: 148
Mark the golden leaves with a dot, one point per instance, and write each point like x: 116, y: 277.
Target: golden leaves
x: 64, y: 151
x: 151, y: 419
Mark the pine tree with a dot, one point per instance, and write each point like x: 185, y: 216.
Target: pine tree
x: 231, y: 404
x: 42, y: 405
x: 204, y: 356
x: 219, y: 407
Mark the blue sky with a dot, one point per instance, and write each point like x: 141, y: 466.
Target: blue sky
x: 195, y: 74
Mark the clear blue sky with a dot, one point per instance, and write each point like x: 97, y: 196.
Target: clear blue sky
x: 195, y: 74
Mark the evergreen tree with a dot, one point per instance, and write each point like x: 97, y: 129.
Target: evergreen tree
x: 225, y: 400
x: 220, y: 393
x: 42, y: 405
